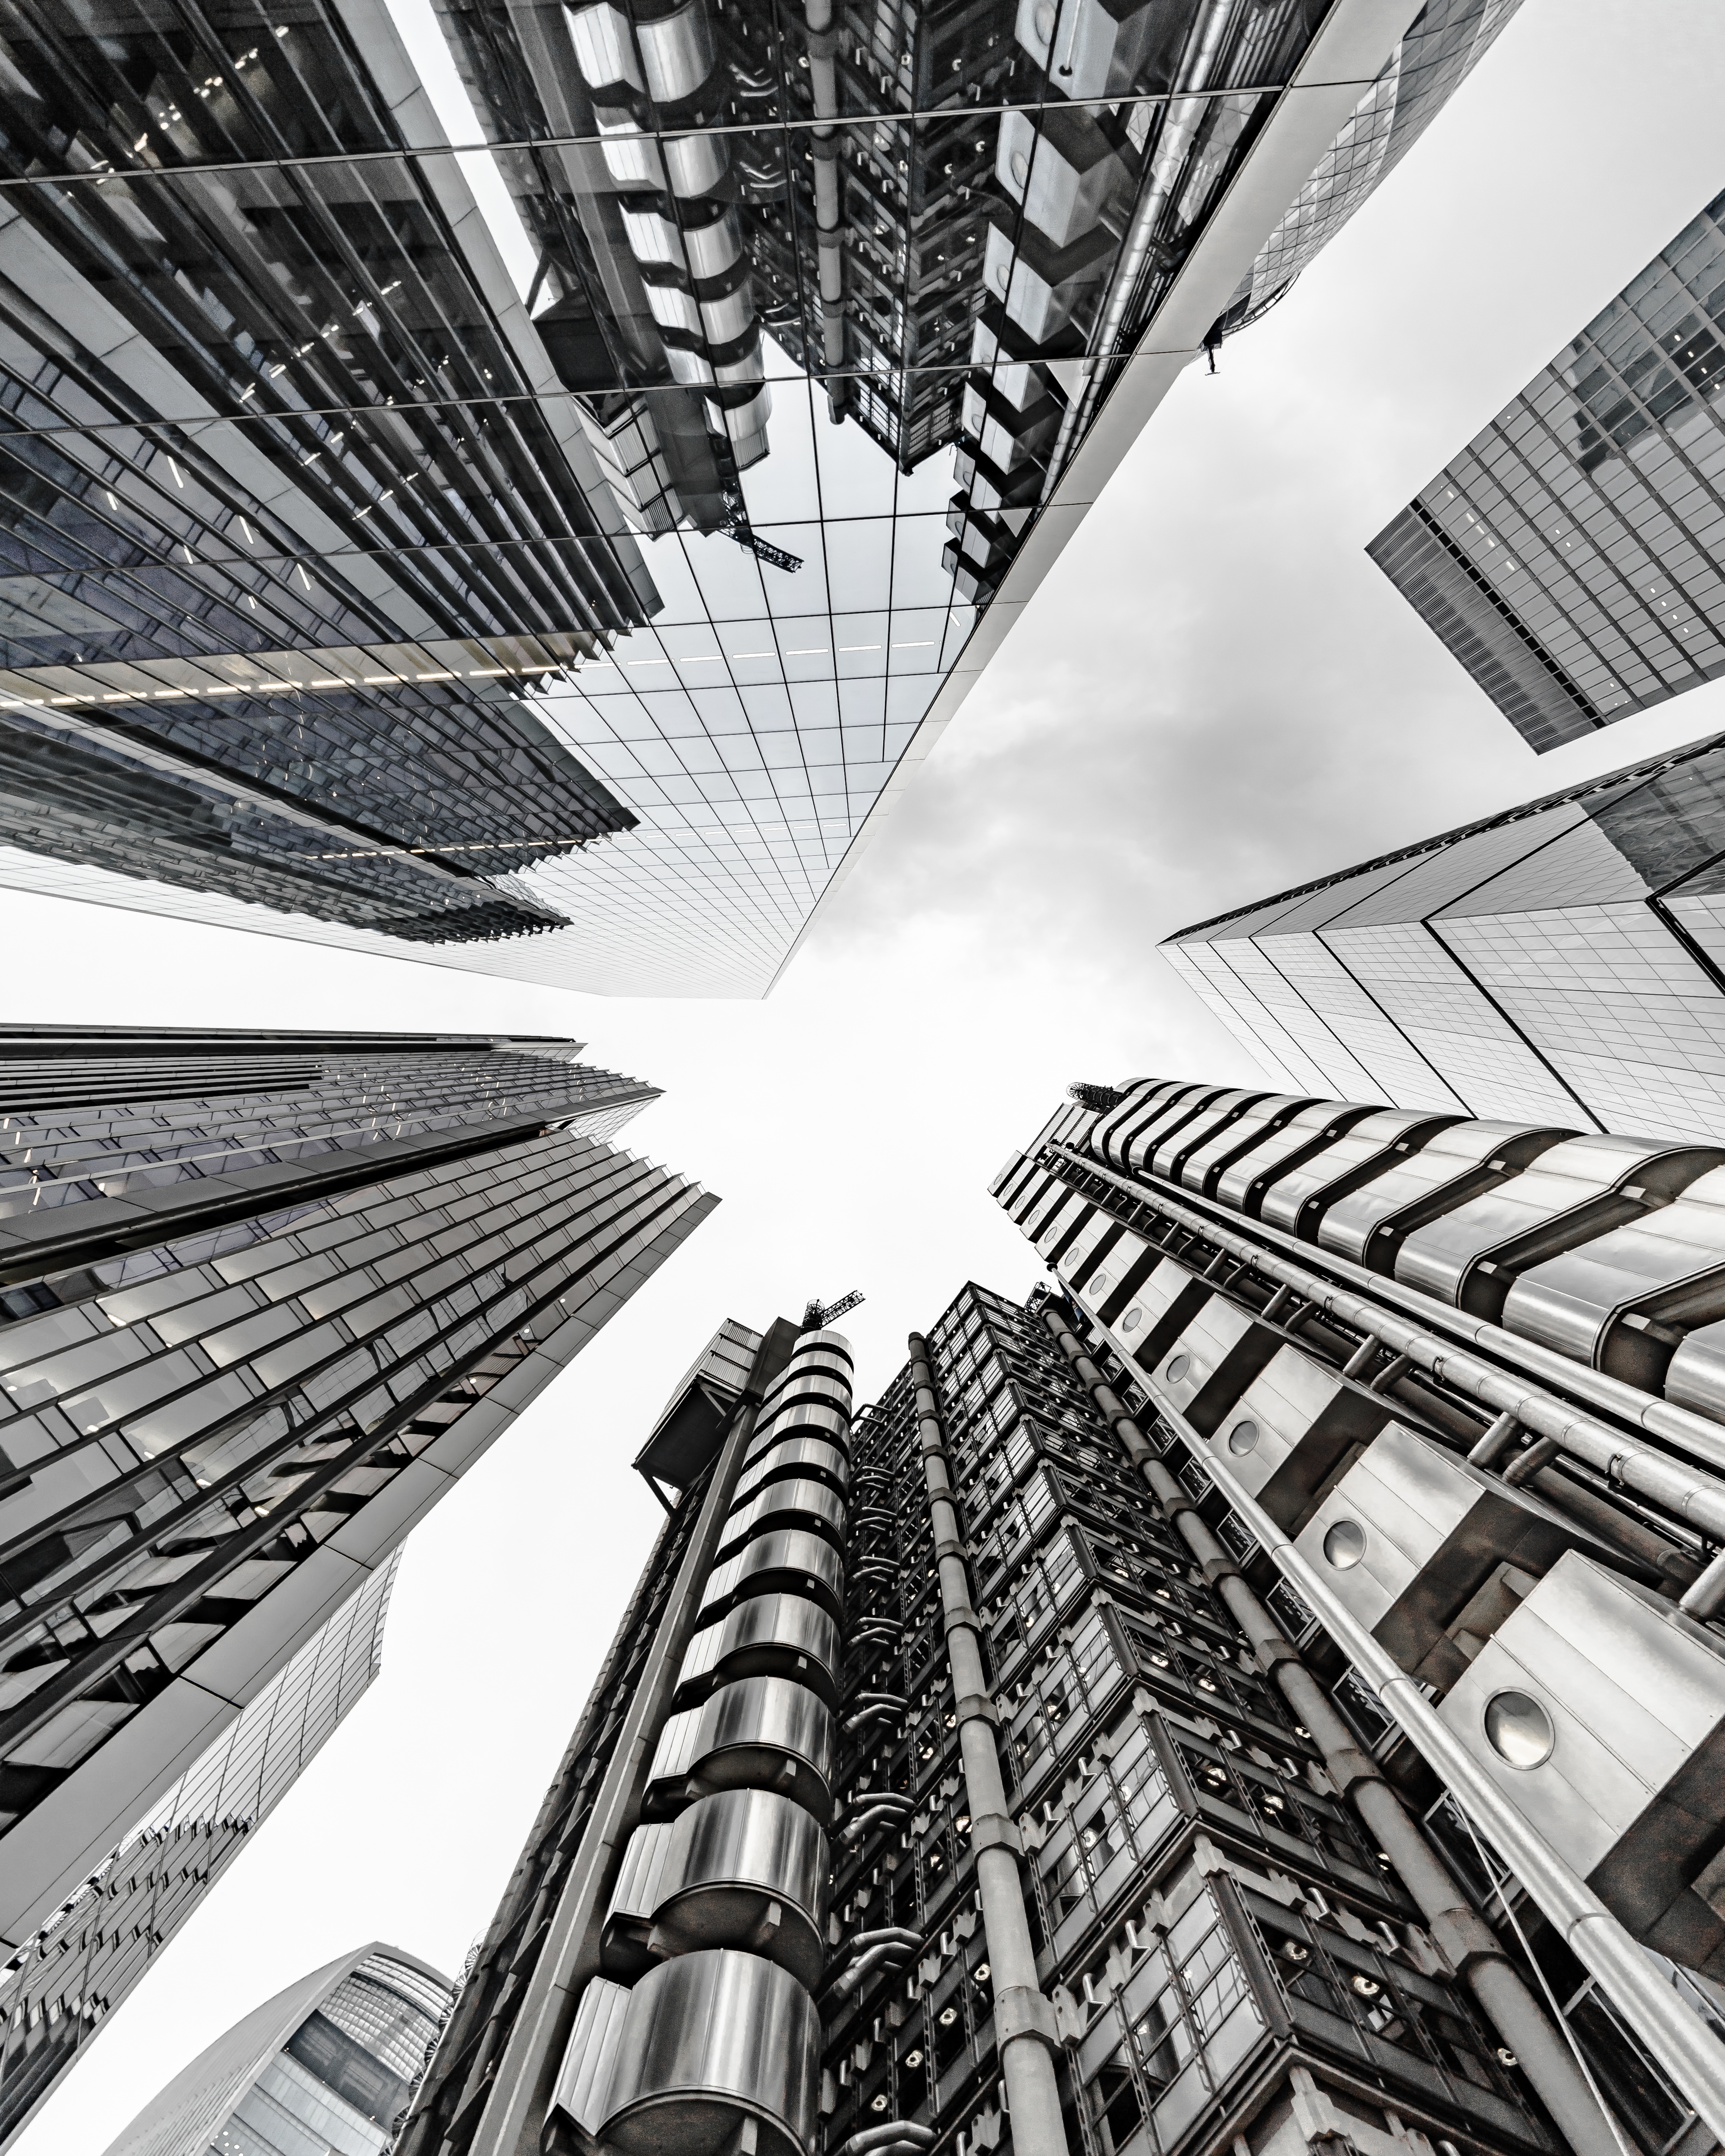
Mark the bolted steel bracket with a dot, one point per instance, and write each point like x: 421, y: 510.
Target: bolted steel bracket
x: 1019, y: 2011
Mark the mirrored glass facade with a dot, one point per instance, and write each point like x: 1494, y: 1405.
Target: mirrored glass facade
x: 265, y: 1299
x: 327, y: 2065
x: 429, y: 533
x: 1573, y: 556
x: 1563, y: 962
x: 58, y: 1990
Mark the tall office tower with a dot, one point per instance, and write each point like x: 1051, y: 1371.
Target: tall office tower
x: 648, y: 1976
x: 59, y: 1988
x: 1573, y: 555
x: 1090, y: 1878
x: 266, y: 1297
x: 1562, y: 962
x: 435, y: 518
x: 1434, y: 1405
x: 328, y: 2064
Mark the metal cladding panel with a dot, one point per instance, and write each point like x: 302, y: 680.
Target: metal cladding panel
x: 646, y: 1874
x: 1453, y: 1165
x: 748, y: 1868
x: 1568, y: 1194
x: 1161, y: 1308
x: 826, y: 1341
x: 1096, y: 1234
x: 1013, y: 1178
x: 1205, y: 1161
x: 1695, y: 1377
x: 761, y: 1730
x: 1599, y: 1712
x: 793, y: 1561
x: 1154, y: 1110
x: 1177, y: 1145
x: 767, y: 1635
x: 1292, y: 1429
x: 1215, y: 1358
x: 811, y: 1380
x: 794, y: 1418
x: 708, y: 2035
x: 1411, y: 1533
x: 1038, y: 1212
x: 783, y: 1505
x: 1298, y: 1200
x: 1117, y: 1281
x: 809, y: 1363
x: 1165, y: 1124
x: 1670, y: 1264
x: 1108, y: 1134
x: 792, y: 1456
x: 584, y: 2079
x: 1064, y: 1220
x: 1244, y: 1182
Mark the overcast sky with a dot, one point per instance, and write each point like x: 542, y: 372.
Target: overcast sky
x: 1214, y: 695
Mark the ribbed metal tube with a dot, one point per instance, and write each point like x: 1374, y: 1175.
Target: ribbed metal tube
x: 1024, y: 2019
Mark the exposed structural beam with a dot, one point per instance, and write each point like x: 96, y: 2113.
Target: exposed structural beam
x: 1462, y: 1935
x: 1024, y: 2019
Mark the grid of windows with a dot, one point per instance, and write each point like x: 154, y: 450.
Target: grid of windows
x: 1562, y: 962
x: 58, y: 1988
x: 1160, y: 1789
x: 1573, y: 556
x: 454, y: 550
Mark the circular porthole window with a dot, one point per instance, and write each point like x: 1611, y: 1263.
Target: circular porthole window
x: 1177, y: 1366
x: 1519, y: 1730
x: 1345, y: 1545
x: 1133, y: 1319
x: 1098, y: 1284
x: 1243, y: 1437
x: 1021, y: 166
x: 1045, y: 21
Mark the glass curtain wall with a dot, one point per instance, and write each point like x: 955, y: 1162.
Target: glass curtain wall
x: 429, y: 530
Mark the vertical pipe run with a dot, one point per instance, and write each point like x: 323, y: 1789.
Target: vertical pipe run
x: 1457, y: 1928
x: 1023, y: 2019
x: 829, y: 196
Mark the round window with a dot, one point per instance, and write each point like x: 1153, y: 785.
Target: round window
x: 1176, y: 1368
x: 1098, y: 1284
x: 1045, y: 21
x: 1243, y: 1437
x: 1519, y: 1730
x: 1345, y: 1544
x: 1021, y: 166
x: 1133, y: 1319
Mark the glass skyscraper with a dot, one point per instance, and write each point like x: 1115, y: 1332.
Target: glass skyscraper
x: 1562, y: 962
x: 327, y: 2066
x: 428, y: 534
x: 964, y: 1774
x: 1573, y: 555
x: 58, y: 1990
x: 266, y: 1297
